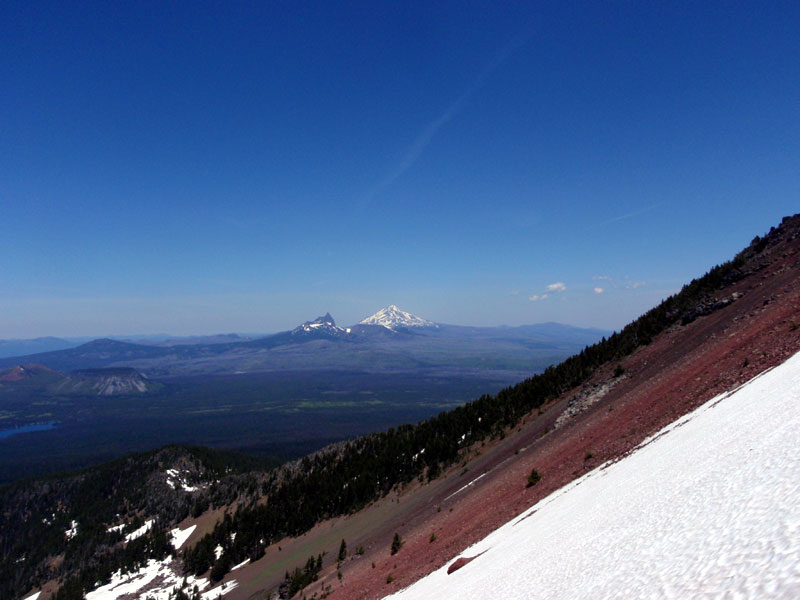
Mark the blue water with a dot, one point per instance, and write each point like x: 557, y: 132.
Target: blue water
x: 4, y: 433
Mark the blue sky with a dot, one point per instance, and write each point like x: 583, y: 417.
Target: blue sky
x: 211, y: 167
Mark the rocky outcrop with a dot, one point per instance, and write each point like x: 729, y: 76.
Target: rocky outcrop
x: 708, y: 306
x: 589, y: 394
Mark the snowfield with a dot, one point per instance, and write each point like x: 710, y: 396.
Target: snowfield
x: 157, y: 580
x: 391, y: 317
x: 141, y: 531
x: 707, y: 508
x: 179, y: 536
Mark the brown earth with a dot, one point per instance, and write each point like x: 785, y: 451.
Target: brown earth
x: 662, y: 381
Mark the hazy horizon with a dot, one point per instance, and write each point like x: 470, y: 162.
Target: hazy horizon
x: 158, y: 335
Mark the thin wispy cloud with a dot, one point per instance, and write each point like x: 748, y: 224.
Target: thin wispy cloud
x: 537, y: 297
x: 625, y: 283
x: 425, y: 137
x: 629, y: 215
x: 558, y: 286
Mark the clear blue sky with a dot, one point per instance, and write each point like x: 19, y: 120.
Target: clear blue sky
x: 190, y: 167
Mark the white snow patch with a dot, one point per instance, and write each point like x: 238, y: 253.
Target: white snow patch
x: 465, y: 487
x: 128, y: 583
x: 709, y: 507
x: 179, y: 536
x: 176, y: 479
x: 226, y: 587
x: 141, y: 531
x: 157, y: 580
x: 116, y: 528
x: 34, y: 596
x: 72, y: 531
x: 241, y: 564
x: 218, y: 551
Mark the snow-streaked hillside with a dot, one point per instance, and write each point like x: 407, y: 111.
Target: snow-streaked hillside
x: 158, y: 579
x: 708, y: 507
x: 392, y: 317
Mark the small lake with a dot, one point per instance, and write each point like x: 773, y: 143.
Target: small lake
x: 4, y: 433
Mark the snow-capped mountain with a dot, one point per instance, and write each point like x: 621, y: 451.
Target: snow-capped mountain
x: 321, y: 325
x: 391, y: 317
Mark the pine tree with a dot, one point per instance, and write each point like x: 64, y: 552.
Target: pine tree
x: 397, y: 543
x: 534, y: 478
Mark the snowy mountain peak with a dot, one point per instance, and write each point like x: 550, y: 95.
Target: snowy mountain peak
x: 392, y: 317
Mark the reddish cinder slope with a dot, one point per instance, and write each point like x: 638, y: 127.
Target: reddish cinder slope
x: 21, y: 372
x: 674, y: 374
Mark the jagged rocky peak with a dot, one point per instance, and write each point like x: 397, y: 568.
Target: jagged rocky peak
x: 323, y: 324
x: 392, y: 317
x: 326, y: 319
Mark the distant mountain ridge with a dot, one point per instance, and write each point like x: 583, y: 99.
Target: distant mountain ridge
x: 389, y: 340
x: 30, y: 346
